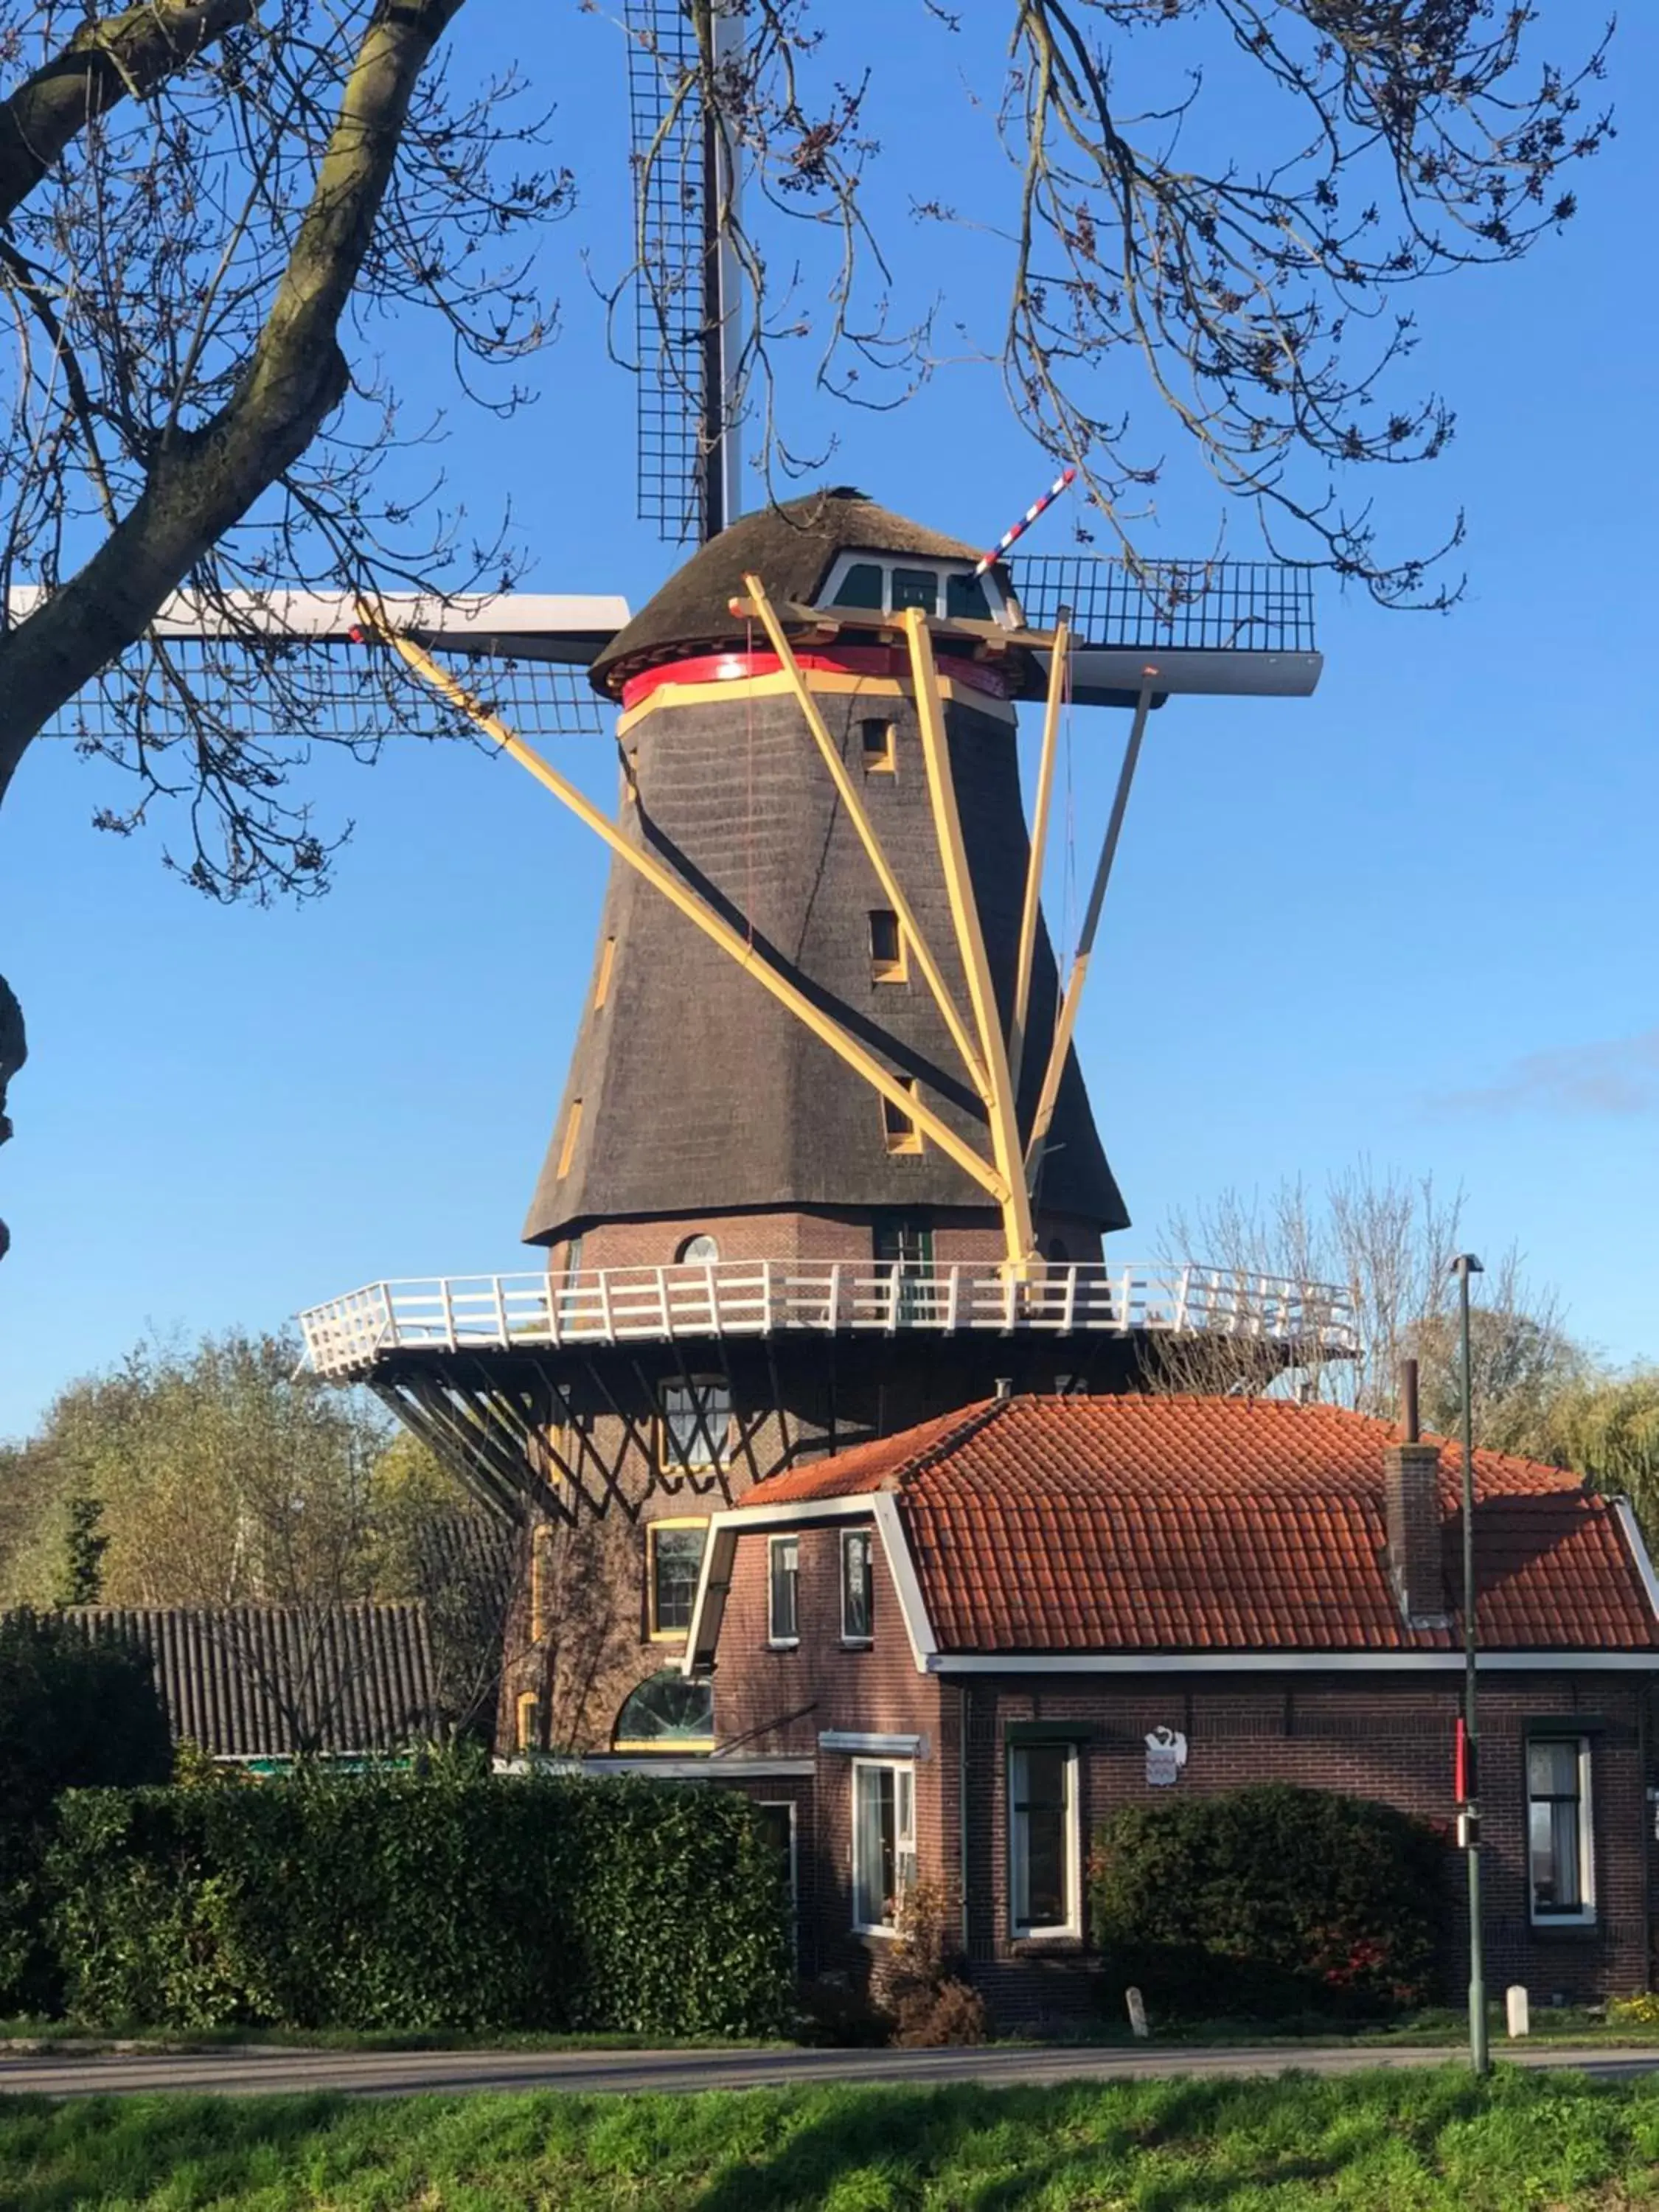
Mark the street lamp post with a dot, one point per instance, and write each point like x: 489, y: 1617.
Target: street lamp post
x: 1463, y: 1267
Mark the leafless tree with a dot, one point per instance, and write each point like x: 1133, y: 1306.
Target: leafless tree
x: 1223, y: 204
x: 204, y: 204
x: 1386, y: 1242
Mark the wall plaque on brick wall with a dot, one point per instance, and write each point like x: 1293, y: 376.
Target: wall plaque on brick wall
x: 1166, y: 1755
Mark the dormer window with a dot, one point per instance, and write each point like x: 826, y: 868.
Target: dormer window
x: 949, y: 588
x: 862, y: 585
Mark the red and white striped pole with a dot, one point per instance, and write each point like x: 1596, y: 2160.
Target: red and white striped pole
x: 1008, y: 536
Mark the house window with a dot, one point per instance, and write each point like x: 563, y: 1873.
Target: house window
x: 916, y: 588
x: 666, y: 1713
x: 1561, y: 1858
x: 898, y: 1128
x: 526, y: 1721
x: 858, y: 1596
x: 695, y: 1424
x: 887, y: 961
x: 877, y: 745
x: 673, y: 1552
x: 701, y: 1251
x: 572, y: 1129
x: 602, y: 987
x: 783, y: 1590
x: 884, y: 1843
x: 1042, y: 1840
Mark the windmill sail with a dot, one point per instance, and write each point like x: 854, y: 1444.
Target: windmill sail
x: 686, y: 287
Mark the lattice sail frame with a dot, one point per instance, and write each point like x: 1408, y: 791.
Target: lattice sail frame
x: 278, y: 670
x: 687, y: 283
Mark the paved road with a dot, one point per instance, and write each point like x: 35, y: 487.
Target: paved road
x: 394, y: 2073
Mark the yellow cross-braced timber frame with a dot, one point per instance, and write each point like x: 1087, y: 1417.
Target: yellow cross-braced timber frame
x: 1031, y: 910
x: 847, y: 793
x: 750, y: 958
x: 1018, y: 1230
x: 1036, y: 1142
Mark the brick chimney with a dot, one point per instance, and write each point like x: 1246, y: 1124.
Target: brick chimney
x: 1411, y: 1504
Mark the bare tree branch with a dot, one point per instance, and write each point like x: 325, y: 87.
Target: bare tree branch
x: 111, y: 59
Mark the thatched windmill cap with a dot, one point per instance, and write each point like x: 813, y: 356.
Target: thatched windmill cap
x: 790, y: 548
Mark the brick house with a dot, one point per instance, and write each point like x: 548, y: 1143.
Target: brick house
x: 947, y: 1653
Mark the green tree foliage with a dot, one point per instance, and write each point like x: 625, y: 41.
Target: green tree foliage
x: 215, y: 1473
x: 73, y: 1713
x: 1607, y: 1427
x: 444, y: 1899
x: 1268, y: 1901
x: 1521, y: 1366
x: 84, y: 1546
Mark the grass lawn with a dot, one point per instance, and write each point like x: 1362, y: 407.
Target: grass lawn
x: 1379, y: 2142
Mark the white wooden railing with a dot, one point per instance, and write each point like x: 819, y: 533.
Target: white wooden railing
x: 757, y: 1297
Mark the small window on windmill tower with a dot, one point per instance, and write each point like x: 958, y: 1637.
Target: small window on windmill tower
x: 601, y: 983
x: 965, y: 599
x: 861, y: 586
x: 887, y: 961
x: 876, y: 744
x: 572, y: 1131
x: 916, y: 588
x: 900, y: 1131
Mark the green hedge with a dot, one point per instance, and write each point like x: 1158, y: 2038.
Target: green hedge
x: 1268, y: 1901
x: 72, y: 1712
x: 442, y: 1900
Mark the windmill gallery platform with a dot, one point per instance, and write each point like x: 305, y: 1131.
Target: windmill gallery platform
x: 825, y: 1165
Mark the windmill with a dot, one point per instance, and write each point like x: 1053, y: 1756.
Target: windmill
x: 825, y: 1163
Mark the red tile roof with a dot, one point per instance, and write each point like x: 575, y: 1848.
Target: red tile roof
x: 1221, y: 1524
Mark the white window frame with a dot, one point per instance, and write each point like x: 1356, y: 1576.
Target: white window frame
x: 1584, y: 1914
x: 864, y: 1639
x: 787, y: 1641
x: 887, y: 562
x: 1071, y: 1926
x: 903, y: 1773
x: 669, y: 1461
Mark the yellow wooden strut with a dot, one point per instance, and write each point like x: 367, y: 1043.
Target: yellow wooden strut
x: 1067, y: 1024
x: 847, y: 792
x: 713, y: 926
x: 1017, y: 1231
x: 1032, y: 908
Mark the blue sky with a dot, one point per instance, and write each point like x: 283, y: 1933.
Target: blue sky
x: 1415, y: 918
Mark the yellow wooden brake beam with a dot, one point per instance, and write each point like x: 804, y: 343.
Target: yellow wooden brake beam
x: 713, y: 926
x: 847, y: 793
x: 1018, y: 1230
x: 1072, y: 998
x: 1031, y: 911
